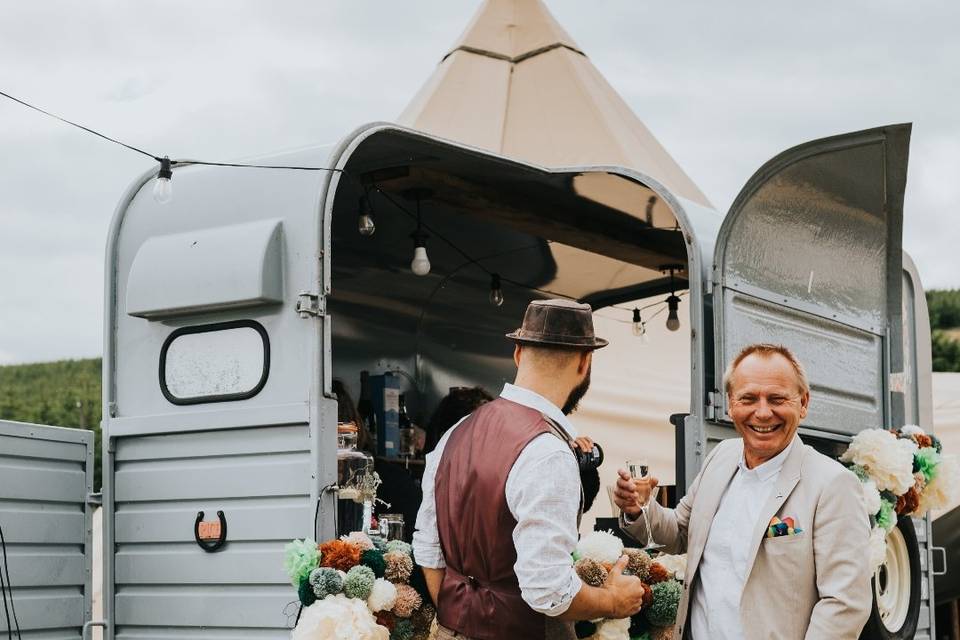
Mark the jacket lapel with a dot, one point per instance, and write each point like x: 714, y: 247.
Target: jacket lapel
x: 711, y: 491
x: 786, y: 482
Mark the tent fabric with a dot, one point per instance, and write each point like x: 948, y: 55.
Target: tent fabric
x: 946, y: 418
x: 516, y: 84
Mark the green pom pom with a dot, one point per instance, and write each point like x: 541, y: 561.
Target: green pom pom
x: 576, y: 556
x: 379, y: 544
x: 666, y: 599
x: 585, y: 629
x: 861, y: 472
x: 887, y: 517
x: 325, y: 582
x: 926, y: 461
x: 937, y: 445
x: 373, y: 558
x: 359, y: 582
x: 399, y: 545
x: 305, y: 593
x: 300, y: 558
x: 403, y: 630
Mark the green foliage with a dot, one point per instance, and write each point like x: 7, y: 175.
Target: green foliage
x: 944, y: 307
x: 65, y: 393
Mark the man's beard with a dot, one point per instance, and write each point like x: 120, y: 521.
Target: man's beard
x: 576, y: 395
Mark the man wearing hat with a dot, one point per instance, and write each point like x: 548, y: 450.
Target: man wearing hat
x: 502, y: 498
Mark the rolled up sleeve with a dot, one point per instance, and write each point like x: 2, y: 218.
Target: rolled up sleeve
x: 426, y: 537
x: 543, y: 493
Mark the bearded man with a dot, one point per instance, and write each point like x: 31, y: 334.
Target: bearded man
x: 502, y: 498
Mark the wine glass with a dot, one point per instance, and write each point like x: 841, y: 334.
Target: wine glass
x: 641, y: 469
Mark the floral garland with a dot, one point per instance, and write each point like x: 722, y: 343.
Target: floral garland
x: 662, y: 579
x: 356, y: 588
x: 903, y: 473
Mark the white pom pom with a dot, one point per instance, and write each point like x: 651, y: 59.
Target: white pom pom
x: 601, y: 546
x: 383, y: 596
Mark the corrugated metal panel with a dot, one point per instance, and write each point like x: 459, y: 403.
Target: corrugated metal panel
x: 45, y: 476
x: 166, y: 586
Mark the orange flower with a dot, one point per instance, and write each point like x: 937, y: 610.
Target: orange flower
x: 339, y: 554
x: 658, y: 573
x: 647, y: 596
x: 908, y: 502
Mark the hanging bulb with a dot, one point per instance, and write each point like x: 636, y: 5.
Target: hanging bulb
x: 639, y: 329
x: 673, y: 322
x: 496, y: 292
x: 365, y: 224
x: 420, y: 264
x: 162, y: 187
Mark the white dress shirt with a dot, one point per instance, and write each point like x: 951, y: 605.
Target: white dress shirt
x: 543, y: 495
x: 715, y: 604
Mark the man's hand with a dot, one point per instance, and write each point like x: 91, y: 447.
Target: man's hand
x: 626, y: 591
x: 632, y: 493
x: 583, y: 443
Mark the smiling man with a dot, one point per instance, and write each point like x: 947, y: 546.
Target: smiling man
x: 775, y: 533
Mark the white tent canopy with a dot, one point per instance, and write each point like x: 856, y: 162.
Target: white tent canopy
x: 517, y: 84
x: 946, y: 416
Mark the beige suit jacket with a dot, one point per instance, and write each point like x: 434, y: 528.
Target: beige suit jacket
x: 812, y: 585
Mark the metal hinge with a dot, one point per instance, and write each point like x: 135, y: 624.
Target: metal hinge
x: 713, y: 404
x: 95, y: 499
x: 309, y: 304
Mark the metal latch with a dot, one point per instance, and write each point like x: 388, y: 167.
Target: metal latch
x: 308, y: 304
x: 713, y: 404
x: 943, y: 552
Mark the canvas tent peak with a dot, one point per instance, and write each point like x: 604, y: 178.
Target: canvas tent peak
x: 517, y: 84
x: 513, y: 30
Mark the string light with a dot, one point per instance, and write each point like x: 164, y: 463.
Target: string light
x: 639, y: 326
x: 365, y: 223
x: 496, y: 291
x: 673, y: 322
x: 162, y: 187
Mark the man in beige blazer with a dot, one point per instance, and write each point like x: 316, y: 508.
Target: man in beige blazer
x: 811, y: 581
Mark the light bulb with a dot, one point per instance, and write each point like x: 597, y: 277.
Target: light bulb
x: 420, y: 264
x: 162, y: 190
x: 162, y: 186
x: 365, y: 224
x: 496, y: 292
x: 639, y: 329
x: 673, y: 322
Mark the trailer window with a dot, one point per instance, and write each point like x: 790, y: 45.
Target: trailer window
x: 215, y: 362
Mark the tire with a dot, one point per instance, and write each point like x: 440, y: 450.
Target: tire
x: 896, y: 587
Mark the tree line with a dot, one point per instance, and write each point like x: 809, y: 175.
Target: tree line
x: 944, y: 307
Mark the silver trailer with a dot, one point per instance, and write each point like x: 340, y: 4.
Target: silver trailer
x: 230, y: 310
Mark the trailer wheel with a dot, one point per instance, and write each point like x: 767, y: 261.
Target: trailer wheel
x: 896, y: 587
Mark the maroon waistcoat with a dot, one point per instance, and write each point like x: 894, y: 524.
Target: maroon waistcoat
x: 480, y: 595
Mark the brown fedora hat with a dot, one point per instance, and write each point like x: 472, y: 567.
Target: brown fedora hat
x: 558, y: 323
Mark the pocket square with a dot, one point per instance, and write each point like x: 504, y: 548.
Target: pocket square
x: 786, y: 527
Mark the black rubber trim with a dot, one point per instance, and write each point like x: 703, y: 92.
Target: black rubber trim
x: 206, y: 328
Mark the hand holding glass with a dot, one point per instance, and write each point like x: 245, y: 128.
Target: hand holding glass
x: 641, y: 469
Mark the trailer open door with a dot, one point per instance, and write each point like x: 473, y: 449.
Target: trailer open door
x: 810, y: 256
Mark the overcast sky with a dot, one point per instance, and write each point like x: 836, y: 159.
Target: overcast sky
x: 723, y: 85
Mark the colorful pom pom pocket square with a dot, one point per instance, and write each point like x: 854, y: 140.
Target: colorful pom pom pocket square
x: 786, y: 527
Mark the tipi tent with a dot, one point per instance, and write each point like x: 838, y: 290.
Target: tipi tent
x: 517, y: 84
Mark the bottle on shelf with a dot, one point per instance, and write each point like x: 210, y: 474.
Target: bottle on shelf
x: 407, y: 433
x: 365, y: 408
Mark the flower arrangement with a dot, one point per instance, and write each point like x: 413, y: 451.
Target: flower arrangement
x: 662, y: 579
x: 903, y: 472
x: 357, y: 588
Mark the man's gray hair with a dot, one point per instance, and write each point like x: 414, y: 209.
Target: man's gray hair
x: 766, y: 349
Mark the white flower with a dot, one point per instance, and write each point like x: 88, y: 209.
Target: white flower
x: 887, y: 459
x: 613, y: 630
x: 878, y: 547
x: 912, y: 430
x: 676, y: 565
x: 871, y: 497
x: 383, y: 596
x: 601, y: 546
x: 338, y: 618
x: 941, y: 492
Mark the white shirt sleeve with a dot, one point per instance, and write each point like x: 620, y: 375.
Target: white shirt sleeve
x: 426, y: 537
x: 543, y: 494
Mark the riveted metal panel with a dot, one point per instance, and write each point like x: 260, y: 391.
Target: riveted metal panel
x: 46, y: 474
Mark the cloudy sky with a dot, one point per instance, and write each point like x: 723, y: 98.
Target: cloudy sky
x: 723, y: 85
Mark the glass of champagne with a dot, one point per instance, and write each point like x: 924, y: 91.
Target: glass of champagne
x: 641, y: 469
